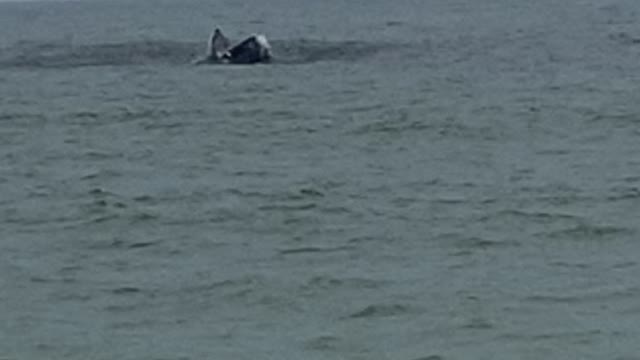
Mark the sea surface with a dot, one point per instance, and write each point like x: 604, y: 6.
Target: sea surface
x: 408, y: 180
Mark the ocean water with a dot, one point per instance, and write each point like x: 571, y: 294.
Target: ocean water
x: 409, y: 180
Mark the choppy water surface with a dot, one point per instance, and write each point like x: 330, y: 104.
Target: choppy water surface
x: 408, y: 180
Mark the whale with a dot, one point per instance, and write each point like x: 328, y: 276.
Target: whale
x: 252, y: 50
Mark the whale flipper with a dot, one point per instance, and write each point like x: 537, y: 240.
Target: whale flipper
x: 218, y: 45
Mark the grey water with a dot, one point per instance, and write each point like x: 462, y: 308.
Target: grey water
x: 408, y: 180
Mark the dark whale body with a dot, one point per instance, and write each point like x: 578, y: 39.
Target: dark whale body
x: 252, y: 50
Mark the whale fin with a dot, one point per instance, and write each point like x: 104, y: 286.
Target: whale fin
x: 218, y: 44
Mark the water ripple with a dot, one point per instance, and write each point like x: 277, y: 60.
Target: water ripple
x: 381, y: 310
